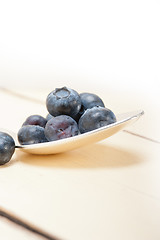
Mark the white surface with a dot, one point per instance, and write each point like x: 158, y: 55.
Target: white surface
x: 108, y: 190
x: 10, y: 231
x: 103, y: 43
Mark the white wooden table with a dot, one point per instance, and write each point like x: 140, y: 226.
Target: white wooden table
x: 108, y: 190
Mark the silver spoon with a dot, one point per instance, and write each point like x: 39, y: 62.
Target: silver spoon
x: 84, y: 139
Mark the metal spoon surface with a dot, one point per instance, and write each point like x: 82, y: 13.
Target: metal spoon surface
x: 67, y: 144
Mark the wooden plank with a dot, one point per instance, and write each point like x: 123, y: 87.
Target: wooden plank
x: 108, y: 190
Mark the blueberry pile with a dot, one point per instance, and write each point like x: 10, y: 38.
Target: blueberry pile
x: 69, y: 114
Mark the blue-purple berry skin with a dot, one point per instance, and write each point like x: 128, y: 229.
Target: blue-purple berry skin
x: 49, y: 116
x: 7, y: 147
x: 94, y: 118
x: 31, y: 134
x: 35, y: 120
x: 88, y: 100
x: 63, y: 101
x: 61, y: 127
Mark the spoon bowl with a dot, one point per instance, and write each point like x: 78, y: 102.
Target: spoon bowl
x: 67, y: 144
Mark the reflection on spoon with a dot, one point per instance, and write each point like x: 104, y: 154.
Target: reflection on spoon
x: 84, y: 139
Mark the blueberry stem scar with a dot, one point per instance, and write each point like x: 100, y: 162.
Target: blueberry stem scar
x: 32, y: 228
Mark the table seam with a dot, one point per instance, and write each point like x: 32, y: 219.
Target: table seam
x: 25, y: 224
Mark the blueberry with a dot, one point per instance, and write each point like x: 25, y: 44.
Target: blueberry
x: 7, y: 147
x: 88, y: 100
x: 48, y: 117
x: 35, y: 120
x: 79, y: 114
x: 60, y: 127
x: 31, y: 134
x: 63, y: 101
x: 94, y: 118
